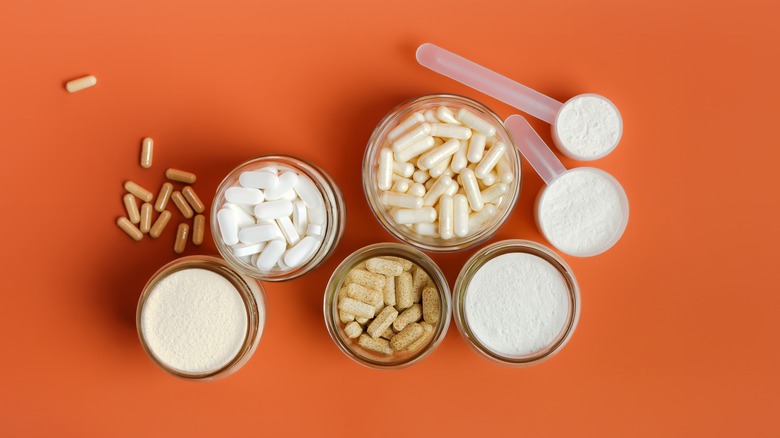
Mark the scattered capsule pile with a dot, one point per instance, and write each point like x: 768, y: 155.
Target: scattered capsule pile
x: 274, y: 219
x: 139, y: 222
x: 389, y: 304
x: 443, y: 172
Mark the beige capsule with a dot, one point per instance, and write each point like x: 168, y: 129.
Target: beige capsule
x: 353, y: 330
x: 198, y: 229
x: 428, y: 330
x: 180, y: 176
x: 181, y: 238
x: 138, y: 191
x: 430, y: 305
x: 382, y: 322
x: 383, y: 266
x: 132, y: 208
x: 388, y: 333
x: 420, y: 280
x: 181, y: 204
x: 407, y: 265
x: 367, y: 279
x: 163, y: 197
x: 147, y: 152
x: 159, y: 224
x: 361, y: 320
x: 128, y: 227
x: 345, y: 317
x: 193, y: 199
x: 410, y: 315
x: 80, y: 83
x: 364, y: 294
x: 146, y: 217
x: 388, y: 291
x: 404, y: 292
x: 407, y: 336
x: 378, y: 345
x: 355, y: 307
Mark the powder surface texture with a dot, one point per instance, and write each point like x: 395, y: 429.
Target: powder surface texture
x: 588, y: 126
x: 581, y: 212
x: 194, y: 320
x: 516, y: 304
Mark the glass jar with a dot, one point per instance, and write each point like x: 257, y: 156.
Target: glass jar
x: 349, y: 346
x: 379, y: 140
x: 515, y: 246
x: 252, y: 296
x: 335, y: 212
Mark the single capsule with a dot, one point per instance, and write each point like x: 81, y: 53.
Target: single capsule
x: 80, y: 84
x: 446, y: 115
x: 146, y: 218
x: 401, y: 200
x: 138, y: 191
x: 385, y: 172
x: 415, y: 216
x: 469, y: 182
x: 271, y: 254
x: 431, y: 158
x: 163, y: 197
x: 180, y: 176
x: 130, y: 229
x: 403, y: 169
x: 460, y: 219
x: 159, y: 224
x: 476, y: 148
x: 475, y: 122
x: 147, y: 152
x: 490, y: 159
x: 181, y: 204
x: 132, y: 208
x: 193, y: 199
x: 181, y: 238
x: 406, y: 125
x: 446, y: 217
x: 450, y: 131
x: 409, y: 138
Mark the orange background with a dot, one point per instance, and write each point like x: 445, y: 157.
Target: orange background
x: 677, y: 335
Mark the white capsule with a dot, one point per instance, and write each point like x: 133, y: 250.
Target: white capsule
x: 436, y: 190
x: 247, y: 249
x: 446, y: 115
x: 420, y: 176
x: 288, y: 230
x: 384, y: 176
x: 404, y: 169
x: 80, y: 83
x: 430, y: 116
x: 317, y: 216
x: 258, y: 179
x: 405, y: 126
x: 489, y: 179
x: 416, y: 216
x: 309, y: 193
x: 494, y: 192
x: 271, y: 254
x: 476, y: 147
x: 460, y: 219
x: 469, y: 182
x: 446, y: 217
x: 243, y: 195
x: 285, y: 182
x: 228, y: 226
x: 504, y: 169
x: 299, y: 216
x: 475, y: 122
x: 411, y: 137
x: 431, y: 158
x: 459, y: 160
x: 416, y: 189
x: 450, y: 131
x: 490, y: 159
x: 401, y: 200
x: 414, y: 150
x: 440, y: 168
x: 452, y: 189
x: 314, y: 230
x: 259, y: 233
x: 479, y: 218
x: 274, y: 209
x: 302, y: 252
x: 426, y: 229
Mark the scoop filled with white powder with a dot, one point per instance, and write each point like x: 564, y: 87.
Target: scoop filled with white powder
x: 194, y: 321
x: 587, y: 127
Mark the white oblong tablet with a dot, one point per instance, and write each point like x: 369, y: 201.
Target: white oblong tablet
x: 228, y: 226
x: 308, y: 192
x: 286, y: 182
x: 301, y: 252
x: 243, y: 195
x: 271, y: 254
x: 259, y: 233
x: 288, y: 230
x: 274, y: 209
x: 247, y: 249
x: 300, y: 218
x: 258, y: 179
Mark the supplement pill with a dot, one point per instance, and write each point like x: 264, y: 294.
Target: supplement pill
x: 163, y: 197
x: 193, y: 199
x: 353, y: 330
x: 383, y: 266
x: 80, y: 84
x: 415, y: 216
x: 288, y: 230
x: 159, y: 224
x: 385, y: 172
x: 430, y: 305
x: 490, y: 159
x: 180, y: 176
x: 271, y: 254
x: 138, y: 191
x: 460, y: 159
x: 431, y: 158
x: 128, y: 227
x: 404, y: 293
x: 446, y: 217
x: 198, y: 229
x: 274, y: 209
x: 181, y: 238
x: 403, y: 169
x: 287, y: 180
x: 407, y: 336
x: 427, y: 331
x: 367, y: 279
x: 181, y: 204
x: 364, y: 294
x: 414, y: 150
x: 410, y: 315
x: 243, y: 196
x: 382, y: 322
x: 355, y: 307
x: 409, y: 138
x: 132, y: 208
x: 470, y: 186
x: 476, y: 123
x: 301, y: 252
x: 146, y: 218
x: 460, y: 220
x: 260, y: 233
x: 147, y: 151
x: 308, y: 192
x: 258, y: 179
x: 477, y: 219
x: 446, y: 115
x: 378, y: 345
x: 450, y: 131
x: 228, y: 225
x: 406, y: 125
x: 401, y: 200
x: 476, y: 148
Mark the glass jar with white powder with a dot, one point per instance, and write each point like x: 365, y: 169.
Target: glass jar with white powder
x: 199, y: 319
x: 516, y: 303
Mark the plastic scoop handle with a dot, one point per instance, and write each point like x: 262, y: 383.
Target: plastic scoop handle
x: 488, y: 82
x: 534, y: 149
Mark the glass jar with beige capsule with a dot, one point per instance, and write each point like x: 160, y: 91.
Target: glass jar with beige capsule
x: 277, y: 217
x: 387, y: 306
x: 441, y: 172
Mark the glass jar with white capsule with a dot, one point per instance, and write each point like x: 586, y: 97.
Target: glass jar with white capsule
x: 276, y: 217
x: 441, y: 172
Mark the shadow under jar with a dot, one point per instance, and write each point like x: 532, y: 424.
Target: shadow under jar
x: 516, y: 303
x: 501, y: 206
x: 331, y: 217
x: 349, y: 346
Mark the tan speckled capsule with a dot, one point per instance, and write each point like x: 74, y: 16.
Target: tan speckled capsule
x: 382, y: 322
x: 163, y: 197
x: 404, y: 294
x: 356, y: 308
x: 384, y: 267
x: 367, y: 279
x: 132, y: 208
x: 364, y: 294
x: 159, y: 224
x: 407, y: 265
x: 420, y: 280
x: 193, y: 199
x: 410, y: 315
x: 198, y: 229
x: 407, y: 336
x: 138, y: 191
x: 389, y: 291
x: 128, y: 227
x: 360, y: 320
x: 430, y: 305
x: 428, y: 330
x: 146, y: 218
x: 180, y: 175
x: 181, y: 238
x: 353, y: 330
x: 388, y: 333
x: 345, y: 317
x: 181, y: 204
x: 377, y: 345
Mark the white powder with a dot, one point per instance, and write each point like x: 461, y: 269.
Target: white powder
x: 581, y: 212
x: 194, y: 320
x: 516, y: 304
x: 588, y: 126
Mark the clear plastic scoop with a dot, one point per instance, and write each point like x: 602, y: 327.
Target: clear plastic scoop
x: 582, y: 211
x: 586, y: 127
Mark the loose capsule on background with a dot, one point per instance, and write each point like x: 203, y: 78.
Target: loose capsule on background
x: 132, y: 208
x: 181, y: 204
x: 81, y: 83
x: 430, y: 305
x: 181, y: 238
x: 146, y: 218
x: 383, y: 266
x: 382, y: 322
x: 138, y: 191
x: 410, y: 315
x: 404, y: 126
x: 198, y: 229
x: 147, y: 152
x: 476, y: 123
x: 159, y: 224
x: 163, y: 197
x: 128, y: 227
x: 180, y: 176
x: 404, y: 293
x: 355, y: 307
x: 407, y: 336
x: 193, y: 199
x: 353, y: 330
x: 378, y: 345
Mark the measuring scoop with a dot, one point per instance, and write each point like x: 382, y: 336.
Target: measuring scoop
x: 582, y: 211
x: 585, y: 127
